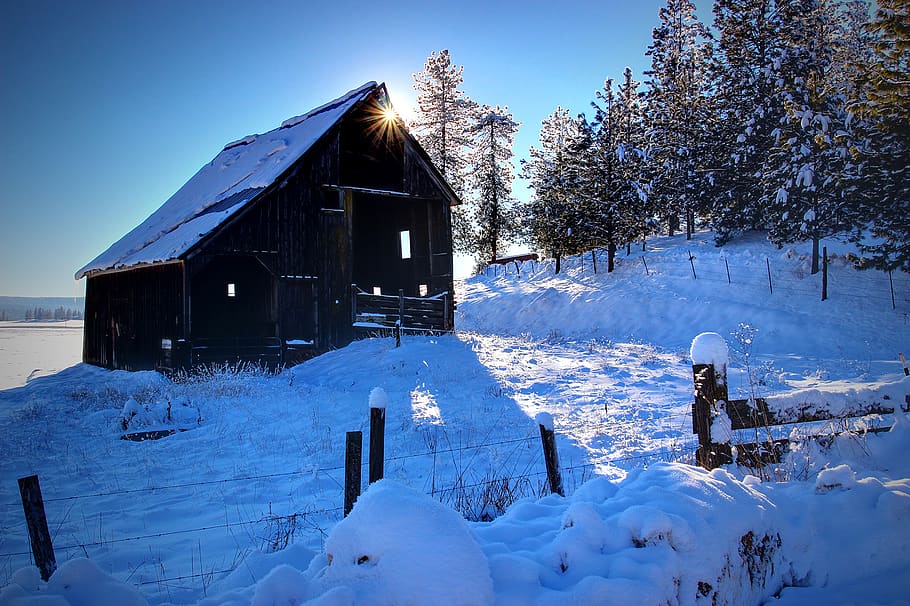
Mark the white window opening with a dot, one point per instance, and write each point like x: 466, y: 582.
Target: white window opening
x: 423, y: 290
x: 377, y: 290
x: 231, y: 289
x: 405, y: 237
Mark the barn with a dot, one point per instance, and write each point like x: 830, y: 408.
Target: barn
x: 286, y: 245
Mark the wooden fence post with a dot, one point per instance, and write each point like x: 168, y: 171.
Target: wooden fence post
x: 708, y: 391
x: 770, y: 285
x: 352, y: 457
x: 353, y: 303
x: 400, y: 324
x: 825, y: 273
x: 551, y: 457
x: 377, y: 442
x: 38, y: 534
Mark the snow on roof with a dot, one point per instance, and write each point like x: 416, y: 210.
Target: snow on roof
x: 222, y: 187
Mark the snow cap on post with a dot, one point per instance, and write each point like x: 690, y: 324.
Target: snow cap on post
x: 378, y: 398
x: 545, y: 419
x: 710, y: 348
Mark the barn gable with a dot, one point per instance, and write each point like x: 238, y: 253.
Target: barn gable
x: 274, y: 251
x: 242, y: 170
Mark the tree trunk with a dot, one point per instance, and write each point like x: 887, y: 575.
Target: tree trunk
x: 611, y: 256
x: 815, y: 242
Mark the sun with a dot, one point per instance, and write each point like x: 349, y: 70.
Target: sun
x: 389, y: 114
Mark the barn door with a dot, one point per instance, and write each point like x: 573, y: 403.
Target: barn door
x: 335, y: 273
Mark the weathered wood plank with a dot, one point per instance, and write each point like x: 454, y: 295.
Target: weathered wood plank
x: 748, y: 414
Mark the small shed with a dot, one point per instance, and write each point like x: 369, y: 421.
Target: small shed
x: 286, y: 245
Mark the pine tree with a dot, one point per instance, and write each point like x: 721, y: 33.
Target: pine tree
x: 881, y: 102
x: 632, y: 150
x: 610, y: 190
x: 747, y: 109
x: 550, y: 220
x: 442, y: 125
x: 677, y: 113
x: 807, y: 185
x: 494, y: 219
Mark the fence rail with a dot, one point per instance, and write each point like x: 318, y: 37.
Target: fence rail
x: 372, y: 312
x: 711, y: 401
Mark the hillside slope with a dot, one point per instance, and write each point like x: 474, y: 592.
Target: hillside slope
x: 243, y: 505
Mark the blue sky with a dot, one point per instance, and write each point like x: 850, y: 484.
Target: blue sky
x: 108, y: 107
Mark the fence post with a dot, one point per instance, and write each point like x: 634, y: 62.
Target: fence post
x: 352, y: 457
x: 551, y: 457
x: 38, y: 534
x: 825, y: 273
x: 353, y: 303
x: 377, y: 434
x: 708, y: 391
x: 400, y: 324
x: 770, y: 285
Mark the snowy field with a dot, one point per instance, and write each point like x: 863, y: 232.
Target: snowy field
x: 243, y: 506
x: 34, y: 349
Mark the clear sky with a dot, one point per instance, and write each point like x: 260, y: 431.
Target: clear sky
x: 107, y: 107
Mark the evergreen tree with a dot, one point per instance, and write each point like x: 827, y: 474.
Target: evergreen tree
x: 494, y: 219
x: 677, y: 113
x: 442, y: 125
x: 808, y: 187
x: 550, y: 220
x: 747, y: 109
x: 881, y: 102
x: 631, y: 149
x: 608, y: 194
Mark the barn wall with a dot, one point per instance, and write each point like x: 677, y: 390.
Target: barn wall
x: 291, y: 231
x: 129, y: 313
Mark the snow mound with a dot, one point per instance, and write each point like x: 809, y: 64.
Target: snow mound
x: 545, y: 419
x: 399, y: 546
x: 379, y: 398
x: 78, y: 582
x: 710, y: 348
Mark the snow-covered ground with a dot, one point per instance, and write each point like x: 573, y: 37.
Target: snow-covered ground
x: 244, y: 505
x: 34, y: 349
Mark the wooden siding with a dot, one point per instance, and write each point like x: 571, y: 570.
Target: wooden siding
x: 129, y: 313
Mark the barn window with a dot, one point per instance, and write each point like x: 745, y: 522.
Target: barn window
x: 423, y: 290
x: 405, y: 237
x: 231, y: 289
x: 377, y: 290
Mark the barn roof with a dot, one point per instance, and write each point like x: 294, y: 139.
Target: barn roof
x: 222, y: 187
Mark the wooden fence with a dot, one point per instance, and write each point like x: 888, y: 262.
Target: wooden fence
x: 711, y: 399
x: 384, y: 313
